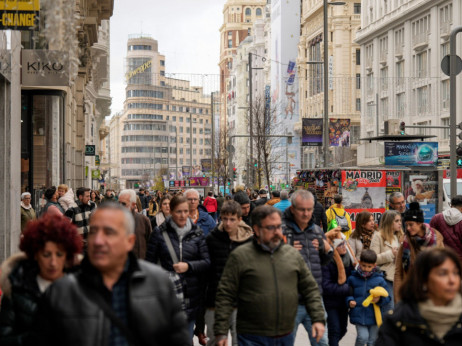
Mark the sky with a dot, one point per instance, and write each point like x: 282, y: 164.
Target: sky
x: 187, y: 32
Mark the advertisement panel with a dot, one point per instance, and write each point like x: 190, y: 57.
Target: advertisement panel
x: 339, y: 132
x: 393, y: 184
x: 411, y: 154
x: 311, y: 132
x: 364, y: 190
x: 186, y: 170
x: 422, y: 187
x: 199, y: 181
x: 206, y: 165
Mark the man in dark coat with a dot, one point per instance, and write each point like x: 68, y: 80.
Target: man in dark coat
x: 302, y: 233
x: 319, y: 213
x: 244, y: 201
x: 142, y: 224
x: 114, y: 299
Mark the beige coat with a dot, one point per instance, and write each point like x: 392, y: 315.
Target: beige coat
x: 400, y: 274
x: 357, y: 245
x: 385, y: 258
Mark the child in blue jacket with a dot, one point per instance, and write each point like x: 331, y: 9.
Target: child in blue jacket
x: 364, y: 278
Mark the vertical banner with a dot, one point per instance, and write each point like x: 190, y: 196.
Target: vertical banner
x: 364, y: 190
x: 393, y: 184
x: 339, y: 132
x: 186, y: 171
x: 311, y: 132
x: 422, y: 187
x: 206, y: 165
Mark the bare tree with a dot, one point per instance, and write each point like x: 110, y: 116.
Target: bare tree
x: 266, y: 146
x: 222, y: 156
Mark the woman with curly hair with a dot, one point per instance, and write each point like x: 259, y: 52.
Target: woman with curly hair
x: 361, y: 238
x: 48, y: 245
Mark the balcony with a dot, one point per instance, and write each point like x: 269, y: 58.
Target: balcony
x: 445, y: 30
x: 420, y: 41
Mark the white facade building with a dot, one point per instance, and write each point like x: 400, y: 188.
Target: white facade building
x: 402, y: 45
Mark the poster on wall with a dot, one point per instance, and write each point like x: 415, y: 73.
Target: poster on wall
x: 393, y: 184
x: 199, y: 181
x: 339, y: 132
x: 186, y: 170
x: 364, y: 190
x: 311, y: 132
x: 422, y: 187
x: 206, y: 165
x: 411, y: 154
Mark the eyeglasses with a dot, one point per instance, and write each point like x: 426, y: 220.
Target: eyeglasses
x: 193, y: 199
x: 272, y: 228
x: 308, y: 210
x: 123, y: 203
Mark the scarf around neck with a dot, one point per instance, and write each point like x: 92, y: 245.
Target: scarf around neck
x: 26, y: 207
x: 441, y: 318
x: 366, y: 236
x: 181, y: 231
x: 428, y: 240
x: 365, y: 275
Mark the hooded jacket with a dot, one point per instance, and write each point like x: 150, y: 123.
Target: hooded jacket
x: 210, y: 204
x: 220, y: 246
x: 192, y: 249
x: 313, y: 258
x: 205, y: 221
x: 449, y: 224
x: 319, y: 215
x: 340, y: 210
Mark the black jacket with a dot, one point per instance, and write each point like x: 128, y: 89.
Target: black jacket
x: 193, y: 251
x: 319, y: 215
x: 68, y: 317
x: 407, y: 327
x: 219, y: 246
x: 334, y: 295
x: 313, y: 258
x: 20, y: 299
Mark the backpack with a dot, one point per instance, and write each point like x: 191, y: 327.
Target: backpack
x: 341, y: 221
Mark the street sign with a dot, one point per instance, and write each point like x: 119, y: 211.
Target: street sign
x: 95, y: 173
x: 90, y: 150
x: 445, y: 66
x: 97, y: 161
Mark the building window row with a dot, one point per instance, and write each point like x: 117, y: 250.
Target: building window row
x: 144, y: 138
x: 140, y: 172
x: 142, y: 160
x: 145, y: 116
x: 145, y: 150
x: 140, y: 47
x: 145, y: 93
x: 145, y: 106
x: 149, y: 127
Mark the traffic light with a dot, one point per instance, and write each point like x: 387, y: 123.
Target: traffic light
x: 402, y: 127
x: 459, y: 149
x: 459, y: 162
x: 234, y: 172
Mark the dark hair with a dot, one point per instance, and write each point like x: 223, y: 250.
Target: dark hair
x: 52, y: 228
x: 262, y: 212
x: 368, y: 256
x: 338, y: 199
x: 275, y: 194
x: 49, y: 193
x: 413, y: 287
x: 456, y: 201
x: 166, y: 197
x: 362, y: 218
x: 210, y: 193
x: 81, y: 191
x: 176, y: 201
x: 231, y: 208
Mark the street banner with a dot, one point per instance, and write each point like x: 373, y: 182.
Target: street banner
x: 186, y: 171
x: 393, y: 184
x: 199, y: 181
x: 19, y: 15
x: 364, y: 190
x: 206, y: 165
x: 411, y: 154
x: 311, y: 132
x: 339, y: 132
x: 422, y: 187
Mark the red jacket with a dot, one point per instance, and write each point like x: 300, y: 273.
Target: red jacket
x: 211, y: 204
x: 449, y: 224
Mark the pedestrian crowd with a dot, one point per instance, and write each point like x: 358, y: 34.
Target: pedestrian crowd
x: 136, y: 268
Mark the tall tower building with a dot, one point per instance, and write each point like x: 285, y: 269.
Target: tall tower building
x: 238, y: 19
x: 166, y: 125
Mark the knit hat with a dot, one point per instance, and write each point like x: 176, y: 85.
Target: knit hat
x: 241, y: 198
x: 337, y: 242
x: 414, y: 213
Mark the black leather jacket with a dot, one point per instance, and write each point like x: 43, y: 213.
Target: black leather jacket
x: 67, y: 317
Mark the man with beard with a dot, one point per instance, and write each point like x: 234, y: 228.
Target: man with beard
x: 265, y: 278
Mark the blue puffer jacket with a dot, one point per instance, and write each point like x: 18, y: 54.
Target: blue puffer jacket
x: 313, y: 258
x: 193, y: 251
x: 205, y: 221
x: 334, y: 295
x: 359, y: 291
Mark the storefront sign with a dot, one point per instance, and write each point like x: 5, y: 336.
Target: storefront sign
x: 44, y: 68
x: 97, y: 161
x: 311, y: 132
x: 411, y: 153
x: 95, y: 173
x: 90, y: 150
x: 19, y: 15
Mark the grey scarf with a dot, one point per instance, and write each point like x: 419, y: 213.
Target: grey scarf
x: 181, y: 232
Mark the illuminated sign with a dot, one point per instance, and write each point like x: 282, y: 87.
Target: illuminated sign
x: 139, y: 69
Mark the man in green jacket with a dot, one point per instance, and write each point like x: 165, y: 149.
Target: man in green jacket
x: 266, y: 277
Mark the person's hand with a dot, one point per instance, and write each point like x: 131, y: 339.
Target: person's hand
x: 352, y: 304
x: 222, y: 342
x: 298, y: 245
x: 375, y: 300
x: 394, y: 251
x: 317, y: 330
x: 181, y: 267
x: 315, y: 243
x: 327, y: 246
